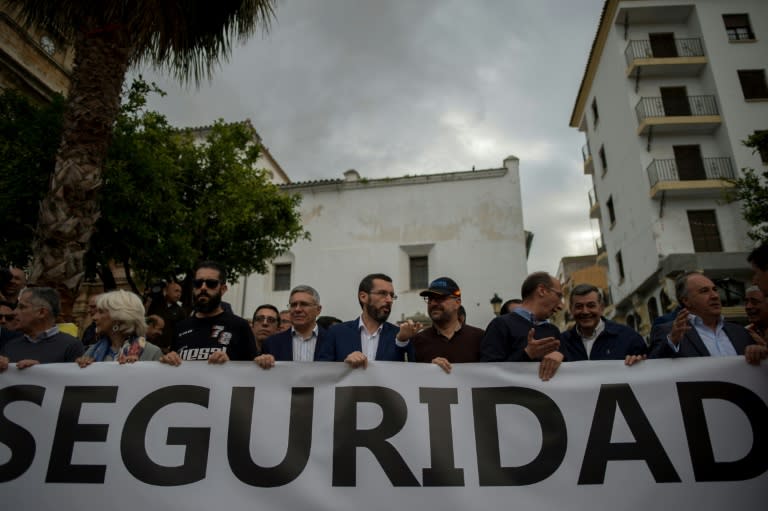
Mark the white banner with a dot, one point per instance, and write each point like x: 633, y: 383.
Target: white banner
x: 668, y: 434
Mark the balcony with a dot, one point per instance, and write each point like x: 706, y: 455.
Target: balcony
x: 677, y: 114
x: 589, y: 164
x: 602, y: 253
x: 665, y: 57
x: 594, y: 206
x: 706, y: 177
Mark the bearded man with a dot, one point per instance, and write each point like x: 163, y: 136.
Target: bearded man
x: 448, y: 340
x: 211, y: 333
x: 371, y: 337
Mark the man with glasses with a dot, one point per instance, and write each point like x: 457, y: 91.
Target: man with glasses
x: 371, y: 337
x: 265, y: 322
x: 42, y: 342
x: 211, y: 333
x: 525, y: 334
x: 448, y: 340
x: 304, y: 340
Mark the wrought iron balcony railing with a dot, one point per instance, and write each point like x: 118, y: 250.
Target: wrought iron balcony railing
x: 682, y: 106
x: 642, y: 49
x: 706, y: 168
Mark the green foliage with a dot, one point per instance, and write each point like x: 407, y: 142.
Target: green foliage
x: 752, y: 191
x: 29, y: 137
x: 167, y: 200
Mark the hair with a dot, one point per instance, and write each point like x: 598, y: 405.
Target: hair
x: 10, y: 305
x: 151, y: 320
x: 126, y: 311
x: 45, y: 297
x: 759, y: 257
x: 534, y: 280
x: 461, y: 312
x: 327, y: 322
x: 306, y: 289
x: 681, y: 286
x: 366, y: 285
x: 508, y: 303
x: 213, y: 266
x: 585, y: 289
x: 750, y: 289
x: 267, y: 306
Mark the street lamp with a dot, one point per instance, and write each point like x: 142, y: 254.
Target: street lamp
x: 496, y: 304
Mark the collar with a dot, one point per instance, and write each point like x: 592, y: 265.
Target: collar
x: 598, y: 330
x: 361, y: 326
x: 43, y: 335
x: 697, y: 322
x: 525, y: 313
x: 315, y: 331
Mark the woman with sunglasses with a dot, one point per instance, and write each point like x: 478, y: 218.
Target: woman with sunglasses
x: 120, y: 321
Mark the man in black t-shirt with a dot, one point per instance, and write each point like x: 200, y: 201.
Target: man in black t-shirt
x: 211, y: 333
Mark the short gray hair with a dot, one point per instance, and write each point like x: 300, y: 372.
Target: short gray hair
x: 681, y: 285
x: 306, y: 289
x: 126, y: 311
x: 45, y: 297
x: 752, y: 289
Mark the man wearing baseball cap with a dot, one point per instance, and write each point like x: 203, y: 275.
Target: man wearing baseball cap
x: 447, y: 340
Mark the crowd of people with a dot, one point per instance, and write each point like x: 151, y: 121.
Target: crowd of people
x: 125, y: 329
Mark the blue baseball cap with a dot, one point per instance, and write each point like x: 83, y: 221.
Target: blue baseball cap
x: 442, y: 286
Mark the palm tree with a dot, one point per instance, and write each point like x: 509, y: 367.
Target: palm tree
x: 186, y: 37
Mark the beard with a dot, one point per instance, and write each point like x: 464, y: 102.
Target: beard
x: 206, y: 306
x: 381, y: 314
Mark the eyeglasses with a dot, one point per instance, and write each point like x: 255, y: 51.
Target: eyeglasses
x: 384, y: 294
x: 438, y: 298
x: 8, y: 317
x: 558, y: 293
x: 300, y: 305
x: 209, y: 283
x: 261, y: 319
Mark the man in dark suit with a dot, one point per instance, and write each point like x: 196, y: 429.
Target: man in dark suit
x: 371, y: 337
x: 594, y: 337
x: 699, y: 329
x: 303, y: 340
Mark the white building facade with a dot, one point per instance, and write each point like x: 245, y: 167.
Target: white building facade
x: 464, y: 225
x: 670, y: 91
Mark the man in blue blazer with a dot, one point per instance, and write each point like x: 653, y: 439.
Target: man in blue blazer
x: 304, y: 340
x: 594, y: 337
x: 371, y: 337
x: 699, y: 329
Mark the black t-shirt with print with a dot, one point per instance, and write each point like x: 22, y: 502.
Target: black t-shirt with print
x: 197, y: 338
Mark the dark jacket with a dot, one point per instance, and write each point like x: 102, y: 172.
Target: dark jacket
x: 615, y: 342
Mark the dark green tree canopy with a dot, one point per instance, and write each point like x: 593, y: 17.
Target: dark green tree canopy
x: 167, y: 201
x: 752, y: 190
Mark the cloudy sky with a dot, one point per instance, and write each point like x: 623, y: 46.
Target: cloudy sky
x: 394, y: 87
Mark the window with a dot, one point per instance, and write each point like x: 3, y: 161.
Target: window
x: 753, y: 83
x: 611, y: 211
x: 620, y: 266
x: 419, y: 271
x: 282, y: 277
x: 595, y: 113
x: 704, y: 231
x: 737, y: 27
x: 603, y: 161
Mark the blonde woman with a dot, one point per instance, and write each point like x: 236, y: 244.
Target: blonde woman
x: 120, y: 320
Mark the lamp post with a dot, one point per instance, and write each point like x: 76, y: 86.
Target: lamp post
x: 496, y: 304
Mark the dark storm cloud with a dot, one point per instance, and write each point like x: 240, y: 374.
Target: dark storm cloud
x: 397, y: 87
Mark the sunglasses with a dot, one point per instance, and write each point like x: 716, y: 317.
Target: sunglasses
x: 209, y: 283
